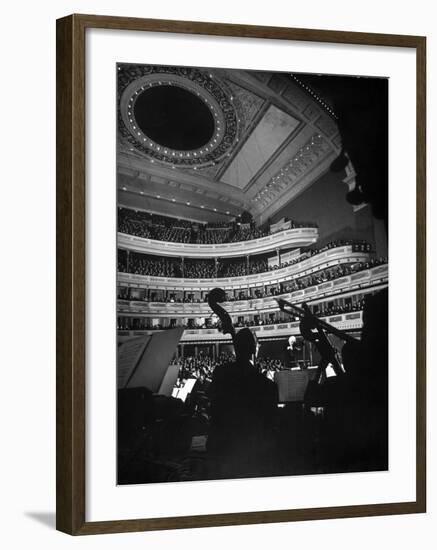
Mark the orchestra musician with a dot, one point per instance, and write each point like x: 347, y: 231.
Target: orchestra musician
x: 243, y: 413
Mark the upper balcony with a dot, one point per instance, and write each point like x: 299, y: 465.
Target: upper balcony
x: 289, y: 238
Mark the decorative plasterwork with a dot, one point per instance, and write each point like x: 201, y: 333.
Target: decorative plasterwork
x: 275, y: 128
x: 251, y: 94
x: 134, y: 79
x: 304, y: 159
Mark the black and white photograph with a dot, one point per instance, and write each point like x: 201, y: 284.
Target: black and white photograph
x: 252, y: 274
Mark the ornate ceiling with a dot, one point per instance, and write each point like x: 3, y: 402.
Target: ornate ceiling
x: 205, y: 144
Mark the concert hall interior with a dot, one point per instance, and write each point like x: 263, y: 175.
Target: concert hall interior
x: 252, y: 274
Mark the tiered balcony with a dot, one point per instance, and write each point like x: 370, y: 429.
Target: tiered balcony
x: 328, y: 258
x: 375, y: 277
x: 289, y: 238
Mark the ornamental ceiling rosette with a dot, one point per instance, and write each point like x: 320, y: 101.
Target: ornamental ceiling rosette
x: 199, y: 135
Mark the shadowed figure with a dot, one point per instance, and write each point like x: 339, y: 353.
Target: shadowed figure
x: 243, y: 414
x: 357, y: 431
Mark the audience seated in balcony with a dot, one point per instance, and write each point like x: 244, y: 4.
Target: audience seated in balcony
x: 206, y: 270
x: 162, y: 228
x: 320, y: 310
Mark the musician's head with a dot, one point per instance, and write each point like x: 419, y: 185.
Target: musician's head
x: 246, y: 345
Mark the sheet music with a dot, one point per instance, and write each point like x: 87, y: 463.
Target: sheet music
x: 291, y: 385
x: 129, y: 354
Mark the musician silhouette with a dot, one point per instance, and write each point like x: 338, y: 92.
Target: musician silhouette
x: 243, y: 414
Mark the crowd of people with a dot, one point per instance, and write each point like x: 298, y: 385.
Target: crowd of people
x: 357, y: 246
x: 314, y: 279
x: 199, y: 269
x: 209, y: 269
x: 247, y: 234
x: 240, y: 268
x: 201, y: 367
x: 337, y: 309
x: 162, y: 228
x: 212, y: 236
x: 171, y: 234
x: 320, y: 310
x: 159, y: 267
x: 331, y: 273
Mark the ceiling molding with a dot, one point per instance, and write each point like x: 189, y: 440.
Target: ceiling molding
x: 251, y: 93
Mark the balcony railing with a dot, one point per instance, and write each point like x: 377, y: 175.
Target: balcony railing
x: 345, y: 321
x: 290, y: 238
x: 353, y: 282
x: 329, y: 258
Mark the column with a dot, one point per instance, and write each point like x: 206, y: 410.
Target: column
x: 215, y: 267
x: 127, y: 260
x: 182, y: 266
x: 278, y: 257
x: 247, y: 265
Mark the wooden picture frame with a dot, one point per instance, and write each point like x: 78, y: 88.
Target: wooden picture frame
x: 71, y: 252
